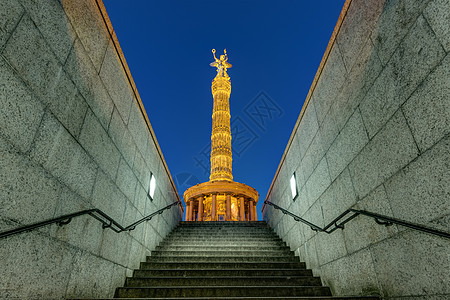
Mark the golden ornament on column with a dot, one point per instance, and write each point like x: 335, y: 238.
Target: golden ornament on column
x: 221, y: 198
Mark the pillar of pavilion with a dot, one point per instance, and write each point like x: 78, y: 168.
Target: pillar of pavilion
x: 221, y: 198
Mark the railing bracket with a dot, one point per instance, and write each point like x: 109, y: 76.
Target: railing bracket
x: 339, y: 225
x: 387, y: 223
x: 64, y: 222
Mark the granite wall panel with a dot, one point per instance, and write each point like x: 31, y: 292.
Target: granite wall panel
x: 381, y: 104
x: 72, y: 137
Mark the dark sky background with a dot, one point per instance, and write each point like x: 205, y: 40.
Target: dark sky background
x: 275, y: 48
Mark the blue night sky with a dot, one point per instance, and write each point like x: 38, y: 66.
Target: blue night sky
x: 275, y: 48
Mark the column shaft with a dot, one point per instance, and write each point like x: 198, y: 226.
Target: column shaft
x: 191, y: 210
x: 187, y: 212
x: 241, y: 209
x: 213, y: 207
x: 251, y: 210
x: 228, y: 207
x: 200, y: 208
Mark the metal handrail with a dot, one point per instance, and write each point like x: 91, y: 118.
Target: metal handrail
x: 379, y: 219
x: 107, y: 221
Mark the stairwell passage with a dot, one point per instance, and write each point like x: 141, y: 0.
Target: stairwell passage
x: 224, y: 260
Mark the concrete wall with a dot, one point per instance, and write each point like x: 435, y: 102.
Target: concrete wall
x: 73, y: 136
x: 374, y: 134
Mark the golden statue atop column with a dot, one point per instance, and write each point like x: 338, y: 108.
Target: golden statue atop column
x: 221, y: 64
x: 221, y: 198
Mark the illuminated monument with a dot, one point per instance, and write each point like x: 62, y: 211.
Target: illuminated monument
x: 221, y: 199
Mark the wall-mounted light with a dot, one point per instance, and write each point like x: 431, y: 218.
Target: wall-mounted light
x: 151, y: 191
x: 293, y: 182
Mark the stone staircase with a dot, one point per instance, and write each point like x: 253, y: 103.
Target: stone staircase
x: 224, y: 260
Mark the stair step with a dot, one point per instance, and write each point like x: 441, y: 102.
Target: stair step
x: 225, y: 238
x: 224, y: 229
x: 222, y: 248
x: 222, y: 265
x: 223, y: 223
x: 226, y: 244
x: 223, y: 281
x: 215, y: 235
x: 218, y: 253
x: 223, y: 243
x: 222, y: 233
x: 221, y: 291
x: 221, y: 272
x: 248, y: 298
x: 220, y: 259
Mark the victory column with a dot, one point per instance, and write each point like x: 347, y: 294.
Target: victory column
x: 221, y: 198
